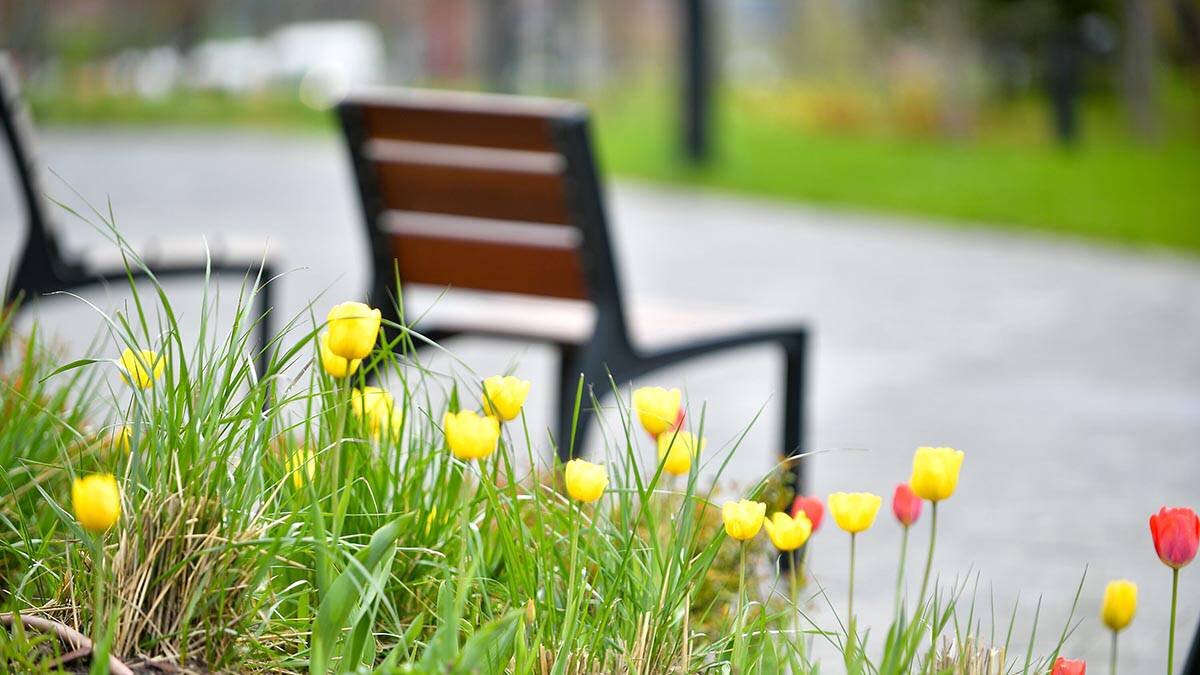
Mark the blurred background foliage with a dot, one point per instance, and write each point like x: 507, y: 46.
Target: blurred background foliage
x: 1072, y: 116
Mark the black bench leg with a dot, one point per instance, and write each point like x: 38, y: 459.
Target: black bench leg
x: 793, y: 430
x: 571, y: 366
x: 264, y: 323
x: 793, y: 413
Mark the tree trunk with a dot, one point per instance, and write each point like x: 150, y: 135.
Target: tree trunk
x: 1137, y: 68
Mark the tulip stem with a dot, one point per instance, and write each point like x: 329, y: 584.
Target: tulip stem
x: 344, y: 392
x: 1113, y: 666
x: 929, y: 556
x: 795, y: 592
x: 97, y: 590
x: 1171, y: 635
x: 850, y: 603
x: 900, y: 572
x: 738, y: 638
x: 568, y: 627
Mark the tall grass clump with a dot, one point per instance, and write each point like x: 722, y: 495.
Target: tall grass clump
x: 352, y: 509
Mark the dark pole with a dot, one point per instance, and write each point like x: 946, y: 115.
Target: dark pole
x: 1063, y: 83
x: 697, y: 80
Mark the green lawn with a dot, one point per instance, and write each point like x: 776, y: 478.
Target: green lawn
x: 1107, y: 188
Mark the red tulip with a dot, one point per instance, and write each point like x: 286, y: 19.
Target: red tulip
x: 1176, y: 534
x: 1065, y: 666
x: 906, y: 505
x: 812, y: 507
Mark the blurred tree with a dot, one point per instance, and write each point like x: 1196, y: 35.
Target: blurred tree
x: 950, y: 20
x: 1187, y: 15
x: 1055, y: 31
x: 501, y: 21
x: 564, y: 37
x: 188, y: 19
x: 24, y: 27
x: 1137, y: 67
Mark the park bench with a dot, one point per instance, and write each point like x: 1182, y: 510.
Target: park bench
x: 45, y: 267
x: 501, y: 195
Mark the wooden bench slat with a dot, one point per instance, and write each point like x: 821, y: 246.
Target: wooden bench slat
x: 488, y: 265
x: 504, y: 194
x: 515, y: 129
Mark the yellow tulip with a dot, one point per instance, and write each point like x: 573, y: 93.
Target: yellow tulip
x: 743, y: 519
x: 679, y: 448
x: 657, y: 409
x: 854, y: 512
x: 504, y: 396
x: 121, y: 438
x: 301, y: 466
x: 376, y: 407
x: 470, y: 435
x: 586, y: 481
x: 333, y: 364
x: 353, y: 330
x: 1120, y: 604
x: 135, y: 363
x: 786, y: 532
x: 935, y: 472
x: 97, y: 501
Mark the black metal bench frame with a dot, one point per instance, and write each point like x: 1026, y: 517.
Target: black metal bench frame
x: 43, y: 268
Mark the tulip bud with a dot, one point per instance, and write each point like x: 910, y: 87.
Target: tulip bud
x: 585, y: 481
x: 470, y: 435
x: 97, y: 501
x: 854, y: 512
x: 811, y: 507
x: 1120, y: 604
x: 353, y: 330
x: 377, y: 409
x: 333, y: 364
x: 906, y: 505
x: 1065, y: 666
x: 935, y: 472
x: 135, y: 366
x: 504, y: 396
x: 743, y: 519
x: 676, y: 451
x: 786, y: 532
x: 301, y: 466
x: 1176, y: 534
x: 658, y: 409
x: 121, y: 439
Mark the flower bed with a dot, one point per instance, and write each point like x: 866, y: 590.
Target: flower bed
x: 179, y: 507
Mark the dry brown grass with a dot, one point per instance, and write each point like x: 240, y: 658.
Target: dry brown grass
x: 182, y: 580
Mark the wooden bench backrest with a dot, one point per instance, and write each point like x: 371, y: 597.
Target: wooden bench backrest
x: 492, y: 193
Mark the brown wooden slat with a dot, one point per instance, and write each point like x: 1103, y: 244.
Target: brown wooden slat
x: 452, y: 125
x: 489, y: 265
x: 473, y: 191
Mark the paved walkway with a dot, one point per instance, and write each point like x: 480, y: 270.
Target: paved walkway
x: 1069, y: 373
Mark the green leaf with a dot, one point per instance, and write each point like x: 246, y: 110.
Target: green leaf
x: 490, y: 648
x: 347, y: 591
x: 77, y: 363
